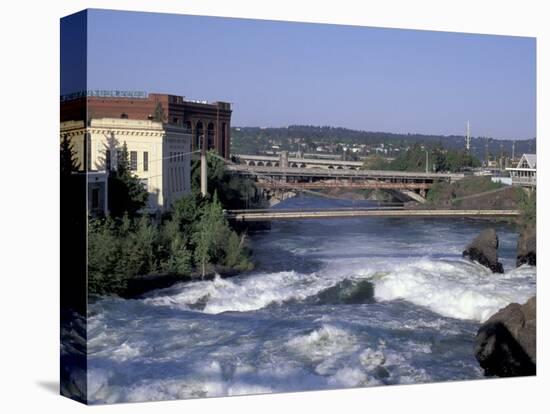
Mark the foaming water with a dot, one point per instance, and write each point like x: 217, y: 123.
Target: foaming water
x: 332, y: 304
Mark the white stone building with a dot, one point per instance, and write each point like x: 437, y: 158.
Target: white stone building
x: 159, y: 154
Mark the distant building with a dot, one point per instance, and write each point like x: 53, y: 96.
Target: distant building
x: 525, y: 173
x: 201, y: 119
x: 502, y: 180
x: 159, y: 154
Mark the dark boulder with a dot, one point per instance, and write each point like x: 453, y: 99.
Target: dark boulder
x: 527, y: 247
x: 506, y: 343
x: 484, y: 250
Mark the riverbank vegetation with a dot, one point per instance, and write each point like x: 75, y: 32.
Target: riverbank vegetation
x: 480, y: 193
x: 414, y: 159
x: 528, y: 208
x: 234, y: 192
x: 194, y: 240
x: 473, y: 192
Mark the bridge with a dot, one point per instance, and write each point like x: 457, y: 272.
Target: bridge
x: 291, y: 172
x: 280, y: 179
x: 394, y: 211
x: 294, y: 162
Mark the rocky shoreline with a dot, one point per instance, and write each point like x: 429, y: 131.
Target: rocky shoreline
x: 505, y: 344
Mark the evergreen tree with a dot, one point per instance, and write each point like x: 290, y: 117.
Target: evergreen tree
x: 127, y: 194
x: 104, y: 254
x: 123, y: 161
x: 179, y: 259
x: 210, y: 233
x: 69, y: 163
x: 159, y: 113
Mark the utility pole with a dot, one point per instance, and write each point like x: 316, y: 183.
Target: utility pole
x: 487, y: 151
x: 468, y: 136
x: 204, y: 170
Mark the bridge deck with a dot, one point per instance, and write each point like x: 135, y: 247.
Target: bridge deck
x: 321, y: 172
x: 362, y: 185
x: 267, y: 215
x: 295, y: 160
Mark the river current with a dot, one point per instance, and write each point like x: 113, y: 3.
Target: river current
x: 331, y: 304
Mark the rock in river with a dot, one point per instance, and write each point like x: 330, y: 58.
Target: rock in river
x: 527, y: 247
x: 484, y: 250
x: 506, y: 343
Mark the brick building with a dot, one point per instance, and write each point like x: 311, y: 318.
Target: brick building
x: 201, y: 119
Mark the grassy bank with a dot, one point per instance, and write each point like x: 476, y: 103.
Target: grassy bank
x: 479, y: 193
x: 474, y: 193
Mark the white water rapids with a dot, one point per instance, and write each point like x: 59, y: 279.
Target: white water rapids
x: 332, y: 304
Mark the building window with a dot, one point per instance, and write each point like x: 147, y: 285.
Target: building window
x: 145, y: 161
x: 133, y: 160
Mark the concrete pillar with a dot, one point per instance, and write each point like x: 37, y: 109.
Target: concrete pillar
x: 283, y: 159
x: 283, y: 163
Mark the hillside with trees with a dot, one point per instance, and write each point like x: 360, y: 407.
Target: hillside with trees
x: 256, y: 140
x: 414, y: 159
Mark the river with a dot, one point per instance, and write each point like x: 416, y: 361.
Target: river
x: 331, y: 304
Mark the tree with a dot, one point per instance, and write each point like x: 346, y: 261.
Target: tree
x: 179, y: 259
x: 210, y: 234
x: 528, y: 207
x: 69, y: 163
x: 104, y: 255
x: 374, y: 162
x: 234, y: 192
x: 123, y: 161
x: 127, y: 194
x: 159, y: 113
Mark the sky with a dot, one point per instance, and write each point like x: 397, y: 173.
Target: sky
x: 284, y: 73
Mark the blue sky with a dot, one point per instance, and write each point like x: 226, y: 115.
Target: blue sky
x: 279, y: 73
